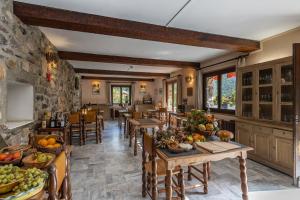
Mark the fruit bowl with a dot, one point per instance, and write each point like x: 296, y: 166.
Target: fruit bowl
x: 11, y: 158
x: 32, y: 160
x: 8, y: 187
x: 49, y: 144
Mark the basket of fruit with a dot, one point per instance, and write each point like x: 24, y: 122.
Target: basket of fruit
x: 19, y: 184
x: 38, y: 160
x: 49, y: 143
x: 10, y: 177
x: 10, y: 157
x: 225, y: 135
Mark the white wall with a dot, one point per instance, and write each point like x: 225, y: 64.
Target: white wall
x: 87, y: 96
x: 19, y: 102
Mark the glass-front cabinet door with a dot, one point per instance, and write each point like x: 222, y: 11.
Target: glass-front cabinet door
x: 285, y: 93
x: 266, y: 93
x: 247, y: 91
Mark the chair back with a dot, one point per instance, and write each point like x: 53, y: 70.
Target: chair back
x: 58, y: 175
x: 74, y: 118
x: 136, y: 115
x: 162, y: 110
x: 148, y: 144
x: 90, y: 117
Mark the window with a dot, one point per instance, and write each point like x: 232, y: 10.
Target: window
x: 220, y: 90
x: 172, y: 96
x: 121, y: 94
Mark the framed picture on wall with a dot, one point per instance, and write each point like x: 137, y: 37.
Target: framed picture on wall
x: 96, y: 88
x: 189, y: 91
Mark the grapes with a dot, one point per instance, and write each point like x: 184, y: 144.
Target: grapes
x: 29, y: 178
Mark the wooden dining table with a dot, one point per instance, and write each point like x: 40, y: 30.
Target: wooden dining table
x: 204, y: 156
x: 142, y: 125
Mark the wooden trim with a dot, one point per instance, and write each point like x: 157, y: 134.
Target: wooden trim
x: 109, y: 72
x: 116, y: 78
x: 271, y: 62
x: 69, y: 20
x: 296, y: 63
x: 67, y: 55
x: 121, y: 86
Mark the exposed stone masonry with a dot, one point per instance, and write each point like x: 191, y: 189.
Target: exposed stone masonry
x: 22, y: 55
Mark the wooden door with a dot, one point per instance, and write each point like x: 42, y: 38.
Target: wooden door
x: 283, y: 150
x: 261, y: 143
x: 296, y: 103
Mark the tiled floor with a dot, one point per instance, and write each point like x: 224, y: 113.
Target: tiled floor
x: 110, y: 171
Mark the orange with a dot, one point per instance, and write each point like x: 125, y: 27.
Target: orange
x: 43, y: 142
x: 50, y: 146
x: 51, y: 141
x: 17, y: 155
x: 57, y: 145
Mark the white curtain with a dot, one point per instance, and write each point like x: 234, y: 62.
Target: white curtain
x: 179, y: 90
x: 164, y: 98
x: 108, y: 92
x: 199, y: 90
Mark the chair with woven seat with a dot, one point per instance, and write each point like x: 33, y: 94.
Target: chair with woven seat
x: 91, y: 128
x: 75, y: 127
x: 154, y: 168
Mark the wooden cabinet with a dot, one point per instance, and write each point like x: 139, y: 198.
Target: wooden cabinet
x: 265, y: 91
x: 262, y: 142
x: 244, y: 134
x: 272, y: 146
x: 283, y: 149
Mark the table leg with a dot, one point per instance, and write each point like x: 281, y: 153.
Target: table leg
x: 208, y: 169
x: 135, y: 143
x: 243, y: 175
x: 125, y: 125
x: 205, y: 177
x: 131, y: 128
x: 169, y: 185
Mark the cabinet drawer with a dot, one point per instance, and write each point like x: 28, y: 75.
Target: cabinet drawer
x: 261, y: 129
x: 283, y: 133
x: 243, y: 126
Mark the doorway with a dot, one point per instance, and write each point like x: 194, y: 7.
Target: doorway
x: 172, y: 96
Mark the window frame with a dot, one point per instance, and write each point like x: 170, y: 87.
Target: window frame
x: 218, y: 73
x: 121, y: 86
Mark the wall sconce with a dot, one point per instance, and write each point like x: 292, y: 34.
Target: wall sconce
x: 143, y: 88
x: 188, y: 79
x: 52, y: 59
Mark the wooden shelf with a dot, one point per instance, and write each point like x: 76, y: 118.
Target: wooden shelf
x: 247, y: 102
x: 247, y: 86
x: 287, y: 83
x: 266, y: 85
x: 265, y: 103
x: 286, y: 103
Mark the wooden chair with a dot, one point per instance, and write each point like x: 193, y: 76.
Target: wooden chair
x: 91, y: 128
x: 76, y: 127
x: 154, y: 168
x: 163, y: 115
x: 59, y: 186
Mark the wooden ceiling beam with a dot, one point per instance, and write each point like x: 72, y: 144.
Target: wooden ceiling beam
x: 127, y: 73
x: 83, y: 22
x: 115, y: 78
x: 66, y: 55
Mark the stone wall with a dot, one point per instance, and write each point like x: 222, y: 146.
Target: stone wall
x: 22, y: 55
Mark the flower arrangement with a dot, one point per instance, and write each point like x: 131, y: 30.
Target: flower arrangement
x: 201, y: 122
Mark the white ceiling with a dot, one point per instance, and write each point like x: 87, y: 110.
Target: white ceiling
x: 256, y: 19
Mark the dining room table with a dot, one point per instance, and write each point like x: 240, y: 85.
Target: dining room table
x: 142, y: 125
x: 203, y: 154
